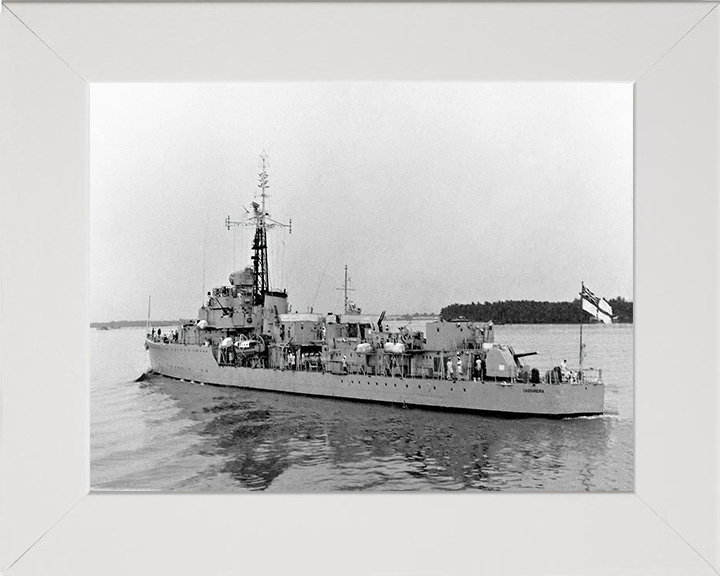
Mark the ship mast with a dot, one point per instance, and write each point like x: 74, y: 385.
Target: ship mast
x: 261, y: 221
x: 346, y: 289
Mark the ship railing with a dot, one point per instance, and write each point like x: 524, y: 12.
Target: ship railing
x: 546, y: 376
x: 591, y: 376
x: 556, y: 375
x: 311, y: 366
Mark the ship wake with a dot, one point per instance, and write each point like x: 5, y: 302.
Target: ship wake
x: 595, y: 417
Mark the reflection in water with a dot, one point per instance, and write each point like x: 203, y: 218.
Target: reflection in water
x: 163, y: 434
x: 260, y: 436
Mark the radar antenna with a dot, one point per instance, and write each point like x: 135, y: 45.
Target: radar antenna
x: 260, y: 219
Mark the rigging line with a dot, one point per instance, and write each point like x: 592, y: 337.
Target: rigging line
x: 269, y: 254
x: 320, y: 283
x: 242, y: 240
x: 336, y: 302
x: 282, y: 270
x: 282, y: 263
x: 203, y: 280
x: 271, y: 266
x: 205, y: 235
x: 277, y: 261
x: 275, y: 258
x: 276, y: 273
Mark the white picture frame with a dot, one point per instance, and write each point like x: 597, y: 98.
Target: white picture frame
x: 51, y: 54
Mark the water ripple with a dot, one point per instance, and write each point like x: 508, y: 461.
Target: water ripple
x: 163, y: 434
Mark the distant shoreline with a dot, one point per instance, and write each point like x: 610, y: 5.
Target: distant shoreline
x: 134, y: 323
x: 535, y: 312
x: 141, y: 323
x: 116, y: 324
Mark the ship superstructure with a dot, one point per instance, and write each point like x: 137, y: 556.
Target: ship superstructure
x: 246, y: 336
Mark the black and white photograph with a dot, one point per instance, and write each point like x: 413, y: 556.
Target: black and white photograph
x: 367, y: 287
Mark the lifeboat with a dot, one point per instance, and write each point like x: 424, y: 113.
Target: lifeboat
x: 249, y: 346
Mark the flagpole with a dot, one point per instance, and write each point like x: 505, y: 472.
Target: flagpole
x: 147, y: 326
x: 582, y: 290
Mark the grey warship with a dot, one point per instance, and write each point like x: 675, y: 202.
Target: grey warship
x: 245, y: 336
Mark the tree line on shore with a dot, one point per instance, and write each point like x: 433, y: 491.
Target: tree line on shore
x: 133, y: 323
x: 502, y: 312
x: 534, y: 312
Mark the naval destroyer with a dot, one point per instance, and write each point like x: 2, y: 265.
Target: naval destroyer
x: 246, y: 336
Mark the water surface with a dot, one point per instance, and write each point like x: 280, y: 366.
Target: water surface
x: 163, y: 434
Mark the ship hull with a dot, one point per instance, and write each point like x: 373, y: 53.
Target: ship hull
x: 197, y: 363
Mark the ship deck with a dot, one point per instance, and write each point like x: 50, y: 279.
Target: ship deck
x: 516, y: 399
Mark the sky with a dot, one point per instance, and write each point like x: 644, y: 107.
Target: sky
x: 431, y: 194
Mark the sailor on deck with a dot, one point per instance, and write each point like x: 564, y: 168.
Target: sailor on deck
x: 459, y: 367
x: 564, y: 370
x: 449, y: 369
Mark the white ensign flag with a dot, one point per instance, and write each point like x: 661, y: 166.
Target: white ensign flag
x: 596, y: 306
